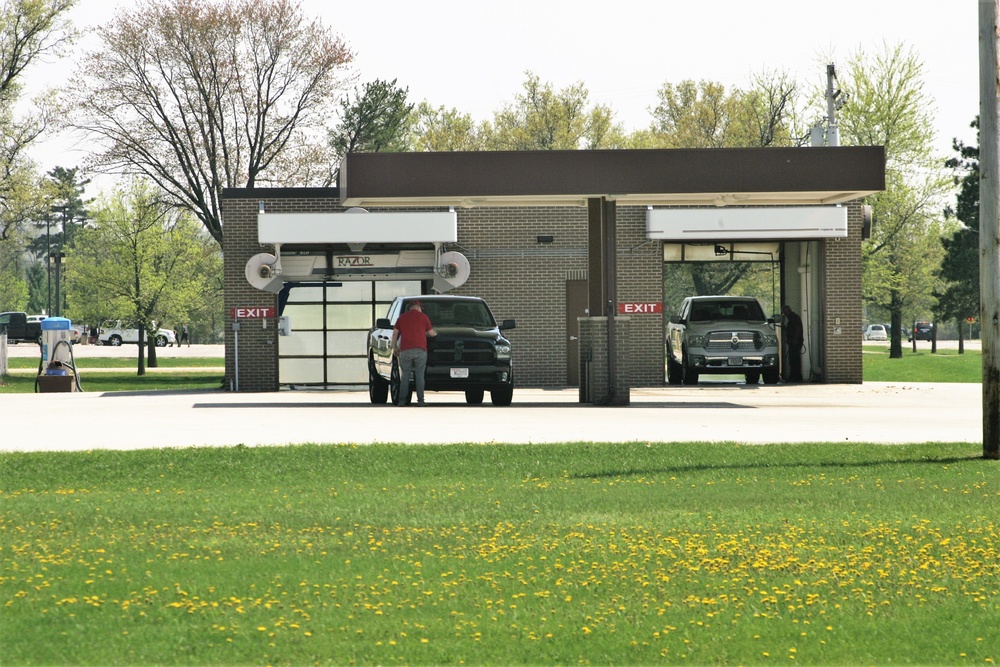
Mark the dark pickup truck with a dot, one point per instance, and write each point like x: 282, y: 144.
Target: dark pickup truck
x: 20, y: 328
x: 468, y: 354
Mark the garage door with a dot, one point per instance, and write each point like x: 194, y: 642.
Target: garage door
x: 330, y: 323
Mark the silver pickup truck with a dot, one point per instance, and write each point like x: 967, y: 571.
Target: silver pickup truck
x: 725, y: 335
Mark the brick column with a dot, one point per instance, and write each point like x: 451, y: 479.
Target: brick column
x: 596, y: 385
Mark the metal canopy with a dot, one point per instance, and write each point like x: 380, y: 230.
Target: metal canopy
x: 667, y: 177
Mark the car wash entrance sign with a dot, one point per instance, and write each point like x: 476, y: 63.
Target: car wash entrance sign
x: 248, y: 313
x: 640, y: 308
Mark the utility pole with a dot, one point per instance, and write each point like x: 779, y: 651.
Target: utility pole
x: 989, y: 224
x: 832, y: 132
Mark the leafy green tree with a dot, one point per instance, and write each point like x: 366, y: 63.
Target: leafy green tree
x: 64, y: 194
x: 889, y: 107
x: 440, y: 129
x: 199, y: 96
x: 376, y: 120
x: 704, y: 115
x: 541, y: 118
x: 14, y: 291
x: 30, y: 30
x: 959, y: 299
x: 142, y: 261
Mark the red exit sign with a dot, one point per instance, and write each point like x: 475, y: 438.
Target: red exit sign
x: 247, y: 313
x: 639, y: 308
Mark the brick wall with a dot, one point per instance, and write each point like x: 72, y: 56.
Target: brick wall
x: 258, y: 347
x: 526, y: 280
x: 842, y: 312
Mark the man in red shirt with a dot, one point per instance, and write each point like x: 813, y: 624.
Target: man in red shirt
x: 409, y: 343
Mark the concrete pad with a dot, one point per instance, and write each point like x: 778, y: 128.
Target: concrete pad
x: 873, y: 412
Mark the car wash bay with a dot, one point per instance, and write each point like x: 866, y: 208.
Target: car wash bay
x: 536, y: 228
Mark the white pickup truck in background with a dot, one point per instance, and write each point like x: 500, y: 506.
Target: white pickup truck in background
x: 725, y: 335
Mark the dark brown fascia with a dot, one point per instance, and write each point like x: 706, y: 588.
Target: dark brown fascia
x: 720, y: 176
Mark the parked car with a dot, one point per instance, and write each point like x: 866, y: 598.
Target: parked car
x: 876, y: 332
x: 468, y: 354
x: 921, y: 331
x: 116, y: 332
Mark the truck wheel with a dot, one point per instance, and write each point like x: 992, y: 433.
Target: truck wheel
x: 394, y: 386
x: 689, y: 374
x: 115, y: 340
x: 675, y: 372
x: 771, y: 376
x: 161, y: 341
x: 474, y: 396
x: 753, y: 378
x: 378, y: 388
x: 503, y: 396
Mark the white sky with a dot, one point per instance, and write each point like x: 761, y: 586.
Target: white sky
x: 473, y: 54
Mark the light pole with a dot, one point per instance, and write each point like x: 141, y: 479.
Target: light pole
x: 57, y: 258
x: 48, y: 266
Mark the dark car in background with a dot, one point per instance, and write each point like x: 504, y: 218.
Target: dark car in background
x: 921, y: 331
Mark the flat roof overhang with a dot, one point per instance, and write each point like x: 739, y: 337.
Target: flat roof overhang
x: 660, y: 177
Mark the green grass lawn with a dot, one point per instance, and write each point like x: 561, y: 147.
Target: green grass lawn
x: 171, y: 373
x: 921, y: 366
x: 495, y: 555
x: 125, y: 363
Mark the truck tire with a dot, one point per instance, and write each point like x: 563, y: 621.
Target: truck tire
x: 689, y: 374
x: 474, y: 396
x: 753, y: 378
x: 502, y: 397
x: 161, y: 341
x: 771, y: 376
x: 378, y: 388
x: 115, y: 340
x: 394, y: 386
x: 675, y: 372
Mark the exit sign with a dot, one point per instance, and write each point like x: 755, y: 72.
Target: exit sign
x: 640, y: 308
x: 248, y: 313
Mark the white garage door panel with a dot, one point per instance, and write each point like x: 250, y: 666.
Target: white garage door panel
x: 731, y: 224
x: 384, y: 227
x: 300, y: 371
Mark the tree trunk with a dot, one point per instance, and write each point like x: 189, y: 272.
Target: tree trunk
x: 896, y: 317
x: 961, y: 335
x: 896, y: 346
x: 141, y: 369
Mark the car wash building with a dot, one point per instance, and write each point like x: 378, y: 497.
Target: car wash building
x: 573, y: 245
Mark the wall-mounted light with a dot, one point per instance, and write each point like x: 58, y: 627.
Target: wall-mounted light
x: 546, y: 239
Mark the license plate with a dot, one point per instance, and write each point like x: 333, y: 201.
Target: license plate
x: 735, y: 361
x: 460, y: 372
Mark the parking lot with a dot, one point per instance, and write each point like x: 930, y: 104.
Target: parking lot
x: 716, y: 410
x: 874, y: 412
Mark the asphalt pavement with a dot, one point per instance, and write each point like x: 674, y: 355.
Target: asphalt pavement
x: 714, y: 411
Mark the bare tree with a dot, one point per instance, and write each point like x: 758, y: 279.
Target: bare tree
x: 199, y: 96
x: 30, y: 30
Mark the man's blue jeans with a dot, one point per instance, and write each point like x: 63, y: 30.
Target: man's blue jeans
x: 414, y: 360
